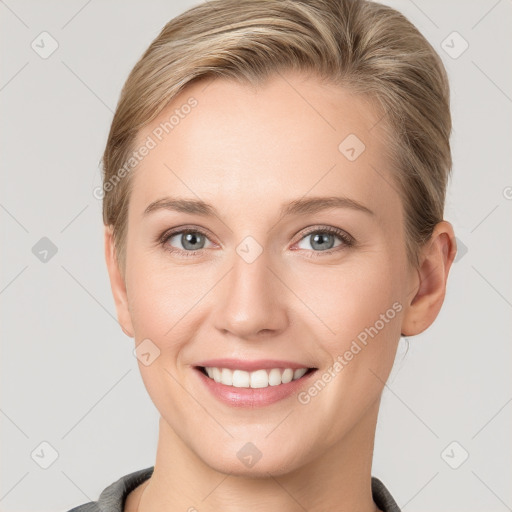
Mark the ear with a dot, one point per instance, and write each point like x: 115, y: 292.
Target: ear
x: 117, y: 284
x: 429, y: 290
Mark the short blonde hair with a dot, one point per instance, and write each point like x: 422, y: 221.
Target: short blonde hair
x: 363, y: 46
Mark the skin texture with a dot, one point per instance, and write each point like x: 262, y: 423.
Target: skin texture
x: 246, y: 151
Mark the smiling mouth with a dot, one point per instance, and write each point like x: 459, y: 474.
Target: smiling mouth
x: 262, y: 378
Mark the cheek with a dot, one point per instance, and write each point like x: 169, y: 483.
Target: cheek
x: 157, y: 297
x: 345, y: 300
x: 362, y: 307
x: 163, y: 302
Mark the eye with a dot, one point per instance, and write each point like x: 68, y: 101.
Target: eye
x: 322, y: 240
x: 191, y: 241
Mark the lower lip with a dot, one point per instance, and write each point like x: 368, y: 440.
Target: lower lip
x: 253, y: 397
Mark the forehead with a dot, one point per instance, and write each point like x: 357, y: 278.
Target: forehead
x: 232, y: 145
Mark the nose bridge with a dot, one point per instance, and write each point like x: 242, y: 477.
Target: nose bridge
x: 251, y: 301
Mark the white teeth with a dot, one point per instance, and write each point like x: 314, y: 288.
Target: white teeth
x: 297, y: 374
x: 256, y: 379
x: 226, y: 376
x: 259, y: 379
x: 287, y: 376
x: 240, y: 379
x: 274, y: 377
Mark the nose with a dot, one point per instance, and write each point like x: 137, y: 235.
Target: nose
x: 251, y: 300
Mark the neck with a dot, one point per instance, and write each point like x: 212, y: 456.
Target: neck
x: 338, y: 479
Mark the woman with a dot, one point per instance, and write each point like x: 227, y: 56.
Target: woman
x: 274, y: 185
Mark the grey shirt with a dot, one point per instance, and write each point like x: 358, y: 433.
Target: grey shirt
x: 113, y: 498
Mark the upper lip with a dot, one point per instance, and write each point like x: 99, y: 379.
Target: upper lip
x: 249, y: 366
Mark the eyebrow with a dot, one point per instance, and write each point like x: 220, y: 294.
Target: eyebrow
x: 302, y: 206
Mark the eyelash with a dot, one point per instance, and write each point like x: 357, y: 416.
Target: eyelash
x: 347, y: 240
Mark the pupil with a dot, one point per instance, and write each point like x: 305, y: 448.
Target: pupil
x: 322, y: 241
x: 190, y: 240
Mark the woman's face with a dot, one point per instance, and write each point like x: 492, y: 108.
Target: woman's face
x: 266, y: 272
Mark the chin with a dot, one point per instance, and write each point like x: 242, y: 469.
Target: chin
x: 246, y: 459
x: 261, y: 469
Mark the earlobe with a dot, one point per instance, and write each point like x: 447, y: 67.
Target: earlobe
x: 117, y: 284
x: 429, y: 291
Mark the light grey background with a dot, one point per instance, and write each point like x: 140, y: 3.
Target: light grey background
x: 67, y: 371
